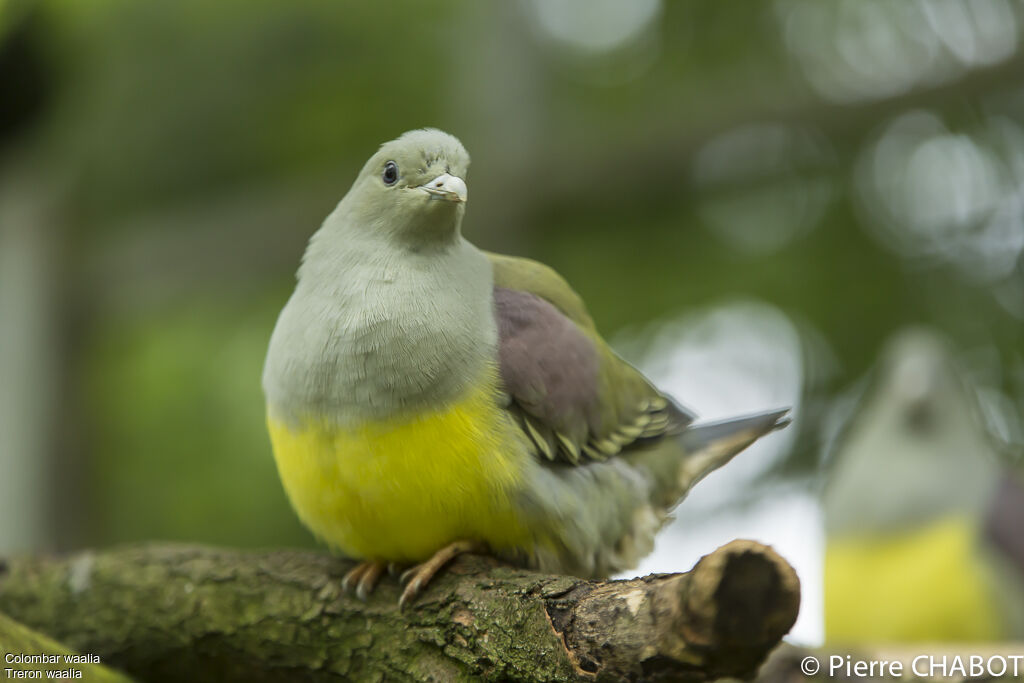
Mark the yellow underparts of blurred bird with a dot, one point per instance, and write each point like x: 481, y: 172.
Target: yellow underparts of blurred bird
x: 926, y: 585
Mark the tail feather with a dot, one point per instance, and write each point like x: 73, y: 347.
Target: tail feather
x: 617, y: 506
x: 711, y: 445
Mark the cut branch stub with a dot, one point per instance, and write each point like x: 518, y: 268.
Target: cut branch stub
x: 720, y: 619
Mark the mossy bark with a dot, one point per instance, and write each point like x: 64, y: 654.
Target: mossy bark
x: 172, y: 613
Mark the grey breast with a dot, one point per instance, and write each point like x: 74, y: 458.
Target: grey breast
x: 381, y: 337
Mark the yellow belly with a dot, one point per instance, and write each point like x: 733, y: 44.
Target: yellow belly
x: 399, y: 490
x: 924, y: 586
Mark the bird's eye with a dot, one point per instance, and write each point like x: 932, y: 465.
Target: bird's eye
x: 390, y: 175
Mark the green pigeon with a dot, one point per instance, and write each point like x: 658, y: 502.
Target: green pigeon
x: 924, y: 518
x: 426, y: 398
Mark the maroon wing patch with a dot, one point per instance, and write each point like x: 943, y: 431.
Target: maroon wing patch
x: 551, y: 369
x: 548, y: 364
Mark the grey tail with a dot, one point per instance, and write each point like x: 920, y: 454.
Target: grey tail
x: 712, y: 444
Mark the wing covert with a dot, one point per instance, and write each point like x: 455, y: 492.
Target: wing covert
x: 570, y: 393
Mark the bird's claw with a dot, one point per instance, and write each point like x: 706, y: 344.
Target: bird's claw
x: 363, y: 579
x: 416, y: 578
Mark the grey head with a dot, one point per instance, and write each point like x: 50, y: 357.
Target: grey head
x: 916, y: 448
x: 412, y: 192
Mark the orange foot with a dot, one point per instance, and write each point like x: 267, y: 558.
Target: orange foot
x: 363, y: 578
x: 417, y: 578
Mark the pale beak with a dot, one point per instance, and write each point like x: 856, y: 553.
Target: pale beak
x: 446, y: 186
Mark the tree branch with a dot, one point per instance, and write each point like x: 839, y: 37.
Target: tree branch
x: 168, y: 613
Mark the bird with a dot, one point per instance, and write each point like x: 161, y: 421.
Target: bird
x: 426, y: 398
x: 923, y: 509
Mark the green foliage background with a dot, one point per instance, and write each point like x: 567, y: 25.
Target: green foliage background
x: 186, y: 150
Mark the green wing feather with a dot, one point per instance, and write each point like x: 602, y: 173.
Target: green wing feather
x: 614, y: 408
